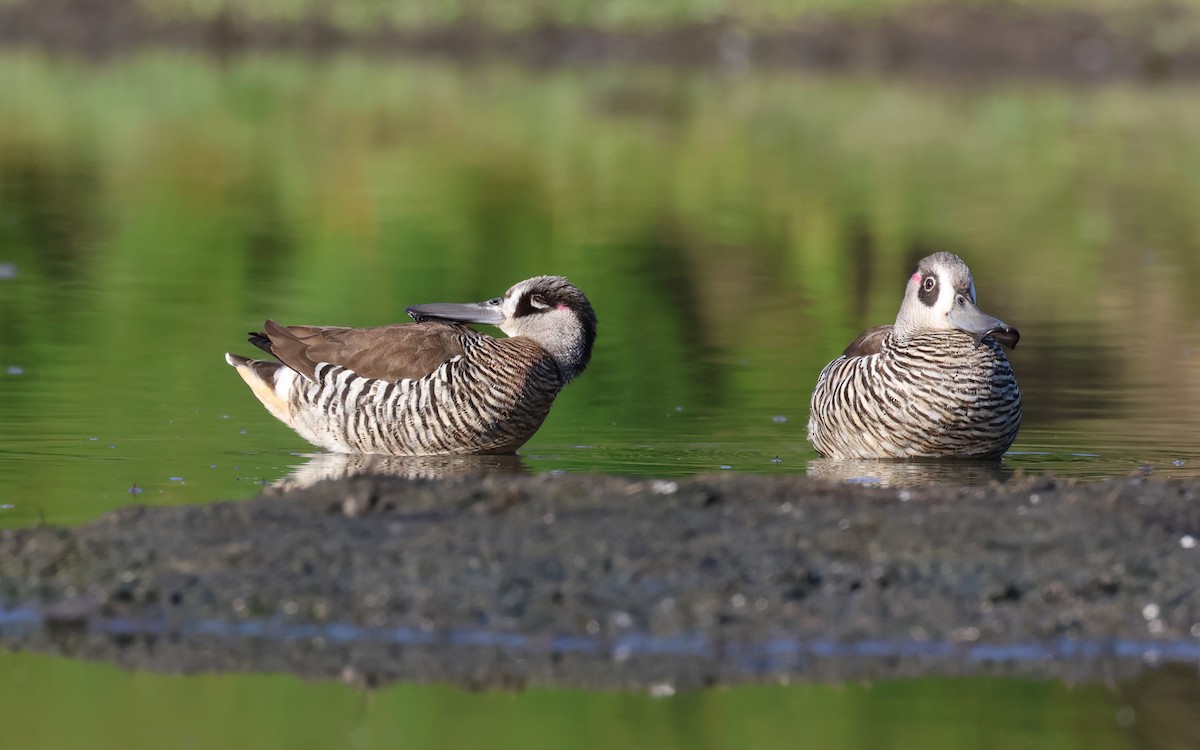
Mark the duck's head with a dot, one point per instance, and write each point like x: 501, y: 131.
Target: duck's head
x: 547, y: 309
x: 940, y: 296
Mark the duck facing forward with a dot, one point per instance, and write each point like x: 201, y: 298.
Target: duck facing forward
x: 433, y: 387
x: 935, y: 384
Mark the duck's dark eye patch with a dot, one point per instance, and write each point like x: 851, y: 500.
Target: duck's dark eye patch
x: 530, y: 304
x: 928, y: 292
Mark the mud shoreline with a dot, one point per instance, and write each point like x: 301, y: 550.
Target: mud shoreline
x: 948, y: 40
x: 596, y: 581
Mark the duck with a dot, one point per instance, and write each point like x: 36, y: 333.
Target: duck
x: 431, y: 387
x: 934, y: 384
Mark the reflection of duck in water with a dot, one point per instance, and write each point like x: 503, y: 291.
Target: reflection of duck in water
x: 934, y: 384
x: 434, y: 387
x: 322, y: 466
x: 911, y: 473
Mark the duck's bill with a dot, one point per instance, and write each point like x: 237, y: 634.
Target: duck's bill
x: 979, y: 324
x: 473, y: 312
x: 1007, y: 336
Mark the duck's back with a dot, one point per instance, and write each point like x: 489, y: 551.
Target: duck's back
x: 928, y: 395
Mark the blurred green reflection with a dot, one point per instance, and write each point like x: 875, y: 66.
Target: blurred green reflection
x: 47, y: 702
x: 733, y: 232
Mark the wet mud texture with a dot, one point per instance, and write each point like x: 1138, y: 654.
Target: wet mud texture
x: 960, y: 40
x: 596, y: 581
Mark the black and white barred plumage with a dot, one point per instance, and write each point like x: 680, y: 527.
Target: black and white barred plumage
x: 483, y: 401
x: 434, y: 387
x: 935, y: 394
x: 935, y: 384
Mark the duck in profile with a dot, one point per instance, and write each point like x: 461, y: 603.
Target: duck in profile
x: 432, y: 387
x: 934, y: 384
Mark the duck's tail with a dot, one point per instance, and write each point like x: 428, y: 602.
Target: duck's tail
x: 269, y: 381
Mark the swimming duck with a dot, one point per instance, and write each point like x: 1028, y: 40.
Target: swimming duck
x: 432, y: 387
x: 934, y: 384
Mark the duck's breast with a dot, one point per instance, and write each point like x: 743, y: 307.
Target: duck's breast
x: 930, y: 395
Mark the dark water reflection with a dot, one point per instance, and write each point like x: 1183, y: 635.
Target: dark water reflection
x: 1161, y: 708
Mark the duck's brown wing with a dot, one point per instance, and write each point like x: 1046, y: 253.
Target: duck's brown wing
x: 870, y: 342
x: 388, y: 353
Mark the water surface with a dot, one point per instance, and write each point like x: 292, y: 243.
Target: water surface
x: 216, y: 711
x: 733, y: 231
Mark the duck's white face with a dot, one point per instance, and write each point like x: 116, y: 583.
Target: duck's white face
x: 547, y: 309
x: 931, y: 293
x: 530, y: 308
x: 940, y: 296
x: 554, y: 314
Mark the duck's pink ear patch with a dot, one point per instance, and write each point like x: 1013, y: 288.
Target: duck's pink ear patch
x: 562, y: 306
x: 916, y: 276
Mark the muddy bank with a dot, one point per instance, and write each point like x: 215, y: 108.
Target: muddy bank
x: 1149, y: 41
x: 601, y: 581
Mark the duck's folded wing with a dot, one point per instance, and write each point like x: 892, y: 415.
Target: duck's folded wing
x: 870, y: 342
x: 388, y: 353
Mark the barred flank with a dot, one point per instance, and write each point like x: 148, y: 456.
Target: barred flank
x: 489, y: 400
x: 935, y: 394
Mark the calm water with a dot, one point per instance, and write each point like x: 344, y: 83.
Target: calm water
x: 139, y: 710
x: 733, y: 233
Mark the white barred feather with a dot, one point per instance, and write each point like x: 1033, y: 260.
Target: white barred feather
x: 486, y: 401
x: 932, y: 394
